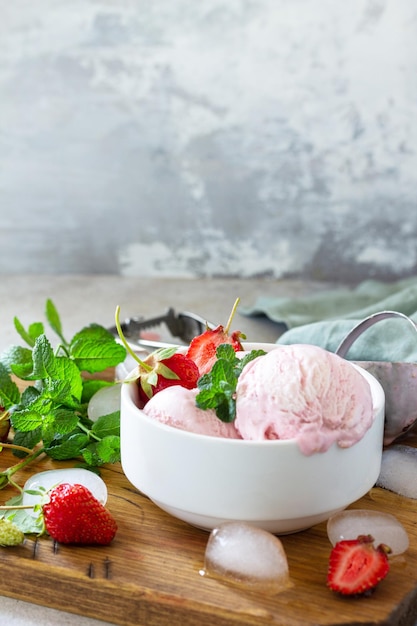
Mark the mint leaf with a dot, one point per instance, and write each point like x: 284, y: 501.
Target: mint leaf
x: 43, y: 357
x: 67, y: 448
x: 95, y: 349
x: 105, y: 451
x: 107, y: 425
x: 109, y: 449
x: 64, y: 369
x: 54, y: 319
x: 217, y: 388
x: 26, y: 420
x: 90, y: 356
x: 48, y: 366
x: 94, y: 332
x: 9, y: 391
x: 46, y: 410
x: 27, y: 439
x: 30, y: 335
x: 62, y: 392
x: 29, y: 395
x: 17, y: 359
x: 62, y: 421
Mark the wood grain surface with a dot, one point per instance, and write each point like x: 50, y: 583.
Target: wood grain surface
x: 150, y: 574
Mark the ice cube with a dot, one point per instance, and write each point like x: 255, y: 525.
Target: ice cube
x: 105, y: 401
x: 398, y: 470
x: 383, y: 527
x: 242, y: 554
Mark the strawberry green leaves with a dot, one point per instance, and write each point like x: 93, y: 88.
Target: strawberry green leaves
x: 51, y: 413
x: 217, y: 388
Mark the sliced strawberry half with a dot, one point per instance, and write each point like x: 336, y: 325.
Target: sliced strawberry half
x: 202, y: 349
x: 356, y: 566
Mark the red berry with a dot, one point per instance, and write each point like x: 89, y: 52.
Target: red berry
x: 356, y: 566
x: 74, y: 515
x: 162, y: 371
x: 202, y: 349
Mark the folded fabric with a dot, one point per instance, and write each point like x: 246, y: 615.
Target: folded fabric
x: 325, y: 318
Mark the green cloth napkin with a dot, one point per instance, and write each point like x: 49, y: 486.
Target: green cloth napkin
x: 324, y: 319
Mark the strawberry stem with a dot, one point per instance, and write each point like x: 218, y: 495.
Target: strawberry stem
x: 145, y: 366
x: 10, y: 507
x: 232, y: 314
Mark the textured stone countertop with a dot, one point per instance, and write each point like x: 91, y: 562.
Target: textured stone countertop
x: 81, y: 300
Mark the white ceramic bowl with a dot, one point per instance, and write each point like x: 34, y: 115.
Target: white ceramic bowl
x: 206, y: 480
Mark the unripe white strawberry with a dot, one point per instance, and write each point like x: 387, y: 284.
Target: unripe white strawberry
x: 10, y: 534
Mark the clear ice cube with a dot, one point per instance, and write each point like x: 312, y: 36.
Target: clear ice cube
x: 105, y: 401
x: 399, y: 470
x: 242, y: 554
x: 383, y: 527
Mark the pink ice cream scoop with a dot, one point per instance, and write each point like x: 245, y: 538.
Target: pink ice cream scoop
x: 176, y: 406
x: 306, y: 393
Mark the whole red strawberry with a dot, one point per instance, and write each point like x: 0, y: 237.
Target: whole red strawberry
x: 74, y: 515
x: 165, y: 368
x: 162, y: 368
x: 356, y: 566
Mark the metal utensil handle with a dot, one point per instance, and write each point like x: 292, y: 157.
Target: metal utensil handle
x: 357, y: 330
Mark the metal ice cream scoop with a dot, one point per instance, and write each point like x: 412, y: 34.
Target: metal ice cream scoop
x: 398, y: 379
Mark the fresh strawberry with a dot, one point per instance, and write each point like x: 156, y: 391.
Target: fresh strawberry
x: 356, y: 566
x: 74, y: 515
x: 162, y: 368
x: 165, y: 368
x: 202, y: 349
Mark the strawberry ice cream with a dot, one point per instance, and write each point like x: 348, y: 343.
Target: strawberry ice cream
x: 306, y: 393
x: 176, y: 406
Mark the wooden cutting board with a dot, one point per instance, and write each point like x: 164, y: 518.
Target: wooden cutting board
x: 150, y: 574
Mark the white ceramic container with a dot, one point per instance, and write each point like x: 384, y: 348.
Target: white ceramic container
x: 206, y: 480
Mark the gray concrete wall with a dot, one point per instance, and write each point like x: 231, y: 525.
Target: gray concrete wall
x: 217, y: 137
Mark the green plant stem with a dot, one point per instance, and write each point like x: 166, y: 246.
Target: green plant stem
x: 7, y: 474
x: 132, y: 353
x: 17, y: 506
x: 64, y: 348
x: 88, y: 431
x: 14, y: 446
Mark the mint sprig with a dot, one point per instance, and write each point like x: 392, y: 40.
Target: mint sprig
x: 50, y: 415
x: 217, y: 388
